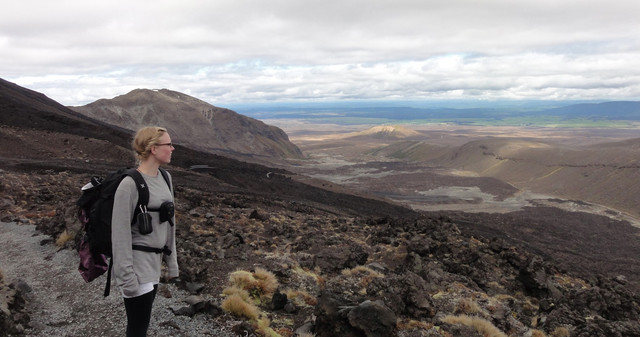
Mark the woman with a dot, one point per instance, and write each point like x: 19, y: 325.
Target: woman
x: 137, y: 272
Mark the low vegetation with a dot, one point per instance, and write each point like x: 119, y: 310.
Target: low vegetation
x: 484, y: 327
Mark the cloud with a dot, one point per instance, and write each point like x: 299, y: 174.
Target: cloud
x: 250, y: 51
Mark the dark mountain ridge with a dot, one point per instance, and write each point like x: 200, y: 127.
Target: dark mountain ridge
x: 25, y: 108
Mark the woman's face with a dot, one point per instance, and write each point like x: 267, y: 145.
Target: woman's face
x: 163, y: 149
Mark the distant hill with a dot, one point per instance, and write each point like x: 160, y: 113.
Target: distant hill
x: 605, y: 173
x: 194, y: 123
x: 618, y: 110
x: 386, y: 132
x: 491, y: 113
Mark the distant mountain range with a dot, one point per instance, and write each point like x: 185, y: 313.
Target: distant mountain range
x: 534, y: 113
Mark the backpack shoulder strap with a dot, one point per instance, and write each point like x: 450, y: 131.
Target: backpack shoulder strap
x: 141, y: 185
x: 165, y: 175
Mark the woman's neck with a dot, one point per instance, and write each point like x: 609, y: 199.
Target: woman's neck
x: 149, y: 168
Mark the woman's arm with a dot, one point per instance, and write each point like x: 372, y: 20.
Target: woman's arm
x: 124, y: 203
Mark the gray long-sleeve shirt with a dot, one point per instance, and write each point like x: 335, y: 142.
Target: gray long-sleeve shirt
x: 133, y: 267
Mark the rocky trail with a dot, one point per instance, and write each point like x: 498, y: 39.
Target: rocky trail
x: 60, y: 303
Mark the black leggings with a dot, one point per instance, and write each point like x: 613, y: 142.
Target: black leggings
x: 139, y: 313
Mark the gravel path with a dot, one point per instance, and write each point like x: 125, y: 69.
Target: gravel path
x: 62, y: 304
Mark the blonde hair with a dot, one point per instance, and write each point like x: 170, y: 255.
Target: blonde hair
x: 144, y: 139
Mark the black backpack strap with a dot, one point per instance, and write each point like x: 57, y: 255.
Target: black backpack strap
x: 107, y: 287
x: 164, y: 250
x: 141, y: 185
x: 165, y: 175
x: 143, y: 190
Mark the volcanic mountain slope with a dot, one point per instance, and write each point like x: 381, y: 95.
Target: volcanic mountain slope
x: 336, y: 264
x: 194, y: 123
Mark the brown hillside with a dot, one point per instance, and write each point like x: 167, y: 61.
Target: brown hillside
x: 606, y: 173
x: 194, y: 123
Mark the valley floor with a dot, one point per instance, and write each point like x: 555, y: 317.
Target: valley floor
x: 334, y: 155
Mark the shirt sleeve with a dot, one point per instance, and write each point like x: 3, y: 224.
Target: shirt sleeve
x: 125, y: 201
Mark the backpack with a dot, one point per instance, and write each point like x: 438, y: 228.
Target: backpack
x: 95, y: 206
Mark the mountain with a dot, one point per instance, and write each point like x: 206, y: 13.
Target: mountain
x: 194, y: 123
x: 40, y: 131
x: 333, y: 263
x: 37, y: 132
x: 24, y: 108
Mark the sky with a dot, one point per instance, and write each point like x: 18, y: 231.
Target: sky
x: 244, y: 51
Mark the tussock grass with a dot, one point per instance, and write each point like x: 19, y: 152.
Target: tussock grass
x: 364, y: 274
x: 242, y: 279
x: 413, y: 324
x: 468, y: 306
x: 63, y: 238
x: 239, y: 307
x: 537, y: 333
x: 481, y: 325
x: 560, y: 332
x: 264, y: 329
x: 260, y: 284
x: 233, y: 290
x: 310, y: 274
x: 301, y: 297
x: 245, y: 291
x: 266, y: 281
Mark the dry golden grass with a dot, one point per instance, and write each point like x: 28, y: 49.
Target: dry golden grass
x: 233, y: 290
x: 365, y: 275
x: 63, y: 238
x: 266, y: 281
x: 468, y: 306
x: 413, y: 324
x: 238, y: 307
x: 260, y: 284
x: 537, y: 333
x: 301, y: 297
x: 560, y: 332
x: 263, y: 328
x: 307, y: 273
x: 247, y: 288
x: 481, y: 325
x: 242, y: 279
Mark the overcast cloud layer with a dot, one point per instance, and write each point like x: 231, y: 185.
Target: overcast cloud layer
x: 239, y: 51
